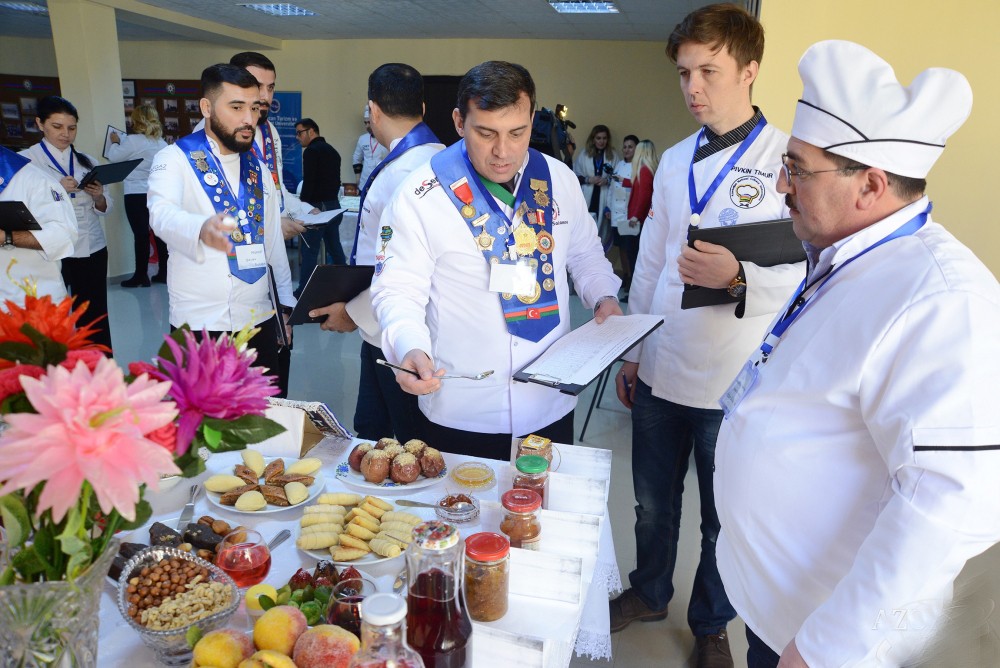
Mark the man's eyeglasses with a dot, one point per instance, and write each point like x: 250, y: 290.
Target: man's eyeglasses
x: 301, y: 132
x: 802, y: 174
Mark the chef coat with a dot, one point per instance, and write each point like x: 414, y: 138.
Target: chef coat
x: 132, y: 147
x: 621, y: 188
x: 368, y: 153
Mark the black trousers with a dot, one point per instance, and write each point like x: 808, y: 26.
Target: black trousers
x: 138, y: 220
x: 86, y: 279
x: 488, y: 446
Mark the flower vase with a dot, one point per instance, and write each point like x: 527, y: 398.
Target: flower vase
x: 54, y: 624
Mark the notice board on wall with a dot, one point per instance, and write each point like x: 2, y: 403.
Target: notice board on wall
x: 19, y: 96
x: 175, y: 100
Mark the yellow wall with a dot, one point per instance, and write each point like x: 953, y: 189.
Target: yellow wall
x: 912, y: 35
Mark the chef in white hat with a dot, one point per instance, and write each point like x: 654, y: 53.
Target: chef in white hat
x: 858, y: 466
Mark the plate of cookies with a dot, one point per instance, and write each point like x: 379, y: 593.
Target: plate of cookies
x: 349, y: 528
x: 258, y: 485
x: 387, y: 463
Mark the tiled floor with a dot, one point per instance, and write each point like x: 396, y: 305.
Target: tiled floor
x: 325, y: 368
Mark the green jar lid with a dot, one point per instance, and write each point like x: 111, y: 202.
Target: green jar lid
x: 532, y: 464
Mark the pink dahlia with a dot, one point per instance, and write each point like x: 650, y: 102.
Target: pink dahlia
x: 212, y: 378
x: 90, y: 427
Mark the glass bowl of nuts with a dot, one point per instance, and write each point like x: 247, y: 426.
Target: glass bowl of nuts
x: 164, y: 591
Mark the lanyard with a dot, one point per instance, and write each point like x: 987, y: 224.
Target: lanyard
x: 698, y: 205
x: 371, y: 146
x: 72, y: 159
x: 797, y: 304
x: 599, y: 164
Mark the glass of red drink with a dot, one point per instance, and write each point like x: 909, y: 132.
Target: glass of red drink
x: 345, y: 603
x: 244, y: 556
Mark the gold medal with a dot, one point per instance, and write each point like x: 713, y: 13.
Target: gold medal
x: 536, y: 293
x: 198, y: 155
x: 260, y: 231
x: 202, y: 165
x: 525, y: 240
x: 541, y: 188
x: 236, y: 235
x: 485, y: 240
x: 468, y: 211
x: 545, y: 242
x: 507, y: 295
x: 547, y: 268
x: 548, y: 284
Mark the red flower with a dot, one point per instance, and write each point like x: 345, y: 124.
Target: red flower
x: 55, y: 321
x: 165, y: 436
x: 10, y: 379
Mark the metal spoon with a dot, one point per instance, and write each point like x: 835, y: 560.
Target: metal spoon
x: 280, y: 538
x: 460, y: 505
x: 478, y: 376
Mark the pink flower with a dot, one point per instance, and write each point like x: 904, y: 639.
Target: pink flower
x: 139, y: 368
x: 10, y: 379
x: 90, y: 426
x: 90, y: 356
x: 213, y: 379
x: 165, y: 436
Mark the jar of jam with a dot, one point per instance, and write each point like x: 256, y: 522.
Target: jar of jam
x: 487, y: 575
x: 520, y: 521
x: 532, y: 473
x: 535, y: 445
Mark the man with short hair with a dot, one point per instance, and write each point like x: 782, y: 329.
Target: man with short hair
x: 476, y: 247
x: 321, y: 190
x: 214, y: 204
x: 396, y: 101
x: 673, y: 379
x: 857, y: 466
x: 368, y: 152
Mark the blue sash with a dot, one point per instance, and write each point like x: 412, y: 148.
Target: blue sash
x: 247, y: 207
x: 418, y: 136
x: 269, y: 159
x: 529, y: 317
x: 10, y: 164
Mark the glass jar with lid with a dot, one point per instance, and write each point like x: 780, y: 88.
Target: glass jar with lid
x: 383, y: 635
x: 520, y: 522
x: 487, y: 575
x: 532, y: 473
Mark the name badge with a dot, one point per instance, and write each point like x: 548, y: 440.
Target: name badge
x: 517, y: 279
x: 740, y: 387
x: 250, y: 256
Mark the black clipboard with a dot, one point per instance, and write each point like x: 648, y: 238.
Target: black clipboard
x: 767, y: 243
x: 113, y: 172
x: 329, y: 284
x: 15, y: 217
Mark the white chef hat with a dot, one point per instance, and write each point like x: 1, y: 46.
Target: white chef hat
x: 852, y: 105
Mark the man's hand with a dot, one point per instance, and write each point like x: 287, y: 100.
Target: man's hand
x: 337, y: 318
x: 115, y: 139
x: 215, y: 232
x: 418, y: 361
x: 608, y: 308
x: 291, y: 228
x: 314, y: 211
x: 791, y: 658
x: 707, y: 265
x: 625, y: 383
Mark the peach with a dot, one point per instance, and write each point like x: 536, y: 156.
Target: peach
x: 267, y: 658
x: 224, y: 648
x: 325, y: 646
x: 279, y: 628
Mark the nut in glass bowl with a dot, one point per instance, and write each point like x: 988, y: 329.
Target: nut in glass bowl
x: 457, y: 508
x: 146, y: 578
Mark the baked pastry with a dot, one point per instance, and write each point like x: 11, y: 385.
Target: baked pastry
x: 383, y: 443
x: 375, y: 466
x: 405, y: 468
x: 415, y: 447
x: 277, y: 467
x: 393, y: 449
x: 357, y: 454
x: 431, y: 462
x: 246, y: 474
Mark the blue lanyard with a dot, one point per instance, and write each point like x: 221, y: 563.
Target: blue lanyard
x: 491, y: 200
x: 797, y: 304
x: 698, y: 205
x: 72, y: 159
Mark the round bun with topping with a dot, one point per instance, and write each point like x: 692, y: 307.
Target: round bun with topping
x: 431, y: 462
x: 375, y: 466
x: 357, y: 454
x: 405, y: 468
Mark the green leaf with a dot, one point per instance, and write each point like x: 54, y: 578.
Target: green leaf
x: 194, y: 634
x: 29, y: 563
x: 17, y: 403
x: 52, y: 352
x: 246, y: 429
x: 143, y: 511
x: 20, y: 352
x: 190, y: 463
x: 15, y: 519
x: 212, y: 436
x: 178, y: 336
x: 73, y: 544
x: 266, y: 602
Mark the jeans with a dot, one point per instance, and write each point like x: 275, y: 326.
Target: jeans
x: 663, y: 436
x: 330, y: 234
x: 759, y: 655
x: 383, y: 409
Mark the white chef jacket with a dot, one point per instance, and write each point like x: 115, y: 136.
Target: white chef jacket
x: 583, y: 165
x: 136, y: 146
x: 848, y: 481
x: 49, y: 203
x: 90, y: 238
x: 368, y: 153
x: 433, y: 295
x: 619, y: 198
x: 692, y: 358
x: 202, y: 292
x: 379, y: 195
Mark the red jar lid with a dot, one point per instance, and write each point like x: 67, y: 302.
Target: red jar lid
x: 487, y: 546
x: 521, y: 500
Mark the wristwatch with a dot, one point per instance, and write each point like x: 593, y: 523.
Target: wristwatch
x: 738, y: 286
x: 9, y: 241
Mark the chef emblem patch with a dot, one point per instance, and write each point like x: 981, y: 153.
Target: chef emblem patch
x: 747, y: 192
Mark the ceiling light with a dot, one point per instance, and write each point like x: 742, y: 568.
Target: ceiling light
x: 278, y: 9
x: 583, y: 7
x: 30, y: 7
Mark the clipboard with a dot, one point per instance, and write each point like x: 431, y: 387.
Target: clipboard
x: 15, y: 217
x: 329, y: 284
x: 113, y: 172
x: 107, y: 139
x: 767, y: 243
x: 612, y: 353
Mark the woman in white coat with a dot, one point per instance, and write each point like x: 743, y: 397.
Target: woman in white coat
x: 594, y: 166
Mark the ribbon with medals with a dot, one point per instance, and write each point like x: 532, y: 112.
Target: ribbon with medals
x: 52, y: 159
x: 269, y: 158
x: 246, y: 206
x: 530, y: 316
x: 698, y: 205
x: 10, y: 164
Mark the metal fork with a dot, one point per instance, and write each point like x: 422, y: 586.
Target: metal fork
x: 478, y: 376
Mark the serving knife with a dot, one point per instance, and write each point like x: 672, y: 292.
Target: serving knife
x: 188, y: 513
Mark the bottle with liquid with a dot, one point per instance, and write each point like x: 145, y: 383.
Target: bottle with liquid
x: 437, y: 618
x: 383, y: 635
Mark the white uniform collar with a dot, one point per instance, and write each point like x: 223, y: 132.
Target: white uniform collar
x: 64, y: 154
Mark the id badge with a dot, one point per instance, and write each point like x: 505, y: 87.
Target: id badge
x: 517, y: 279
x: 740, y: 387
x: 250, y: 256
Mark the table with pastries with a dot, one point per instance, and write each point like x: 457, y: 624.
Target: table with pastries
x: 558, y: 603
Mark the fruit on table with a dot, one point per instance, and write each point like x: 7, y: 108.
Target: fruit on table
x: 268, y: 659
x: 279, y: 628
x: 224, y: 648
x: 325, y: 646
x: 252, y: 597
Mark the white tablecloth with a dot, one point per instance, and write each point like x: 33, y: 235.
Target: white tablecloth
x: 535, y: 631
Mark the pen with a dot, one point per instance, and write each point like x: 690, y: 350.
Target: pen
x: 628, y: 388
x: 300, y: 234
